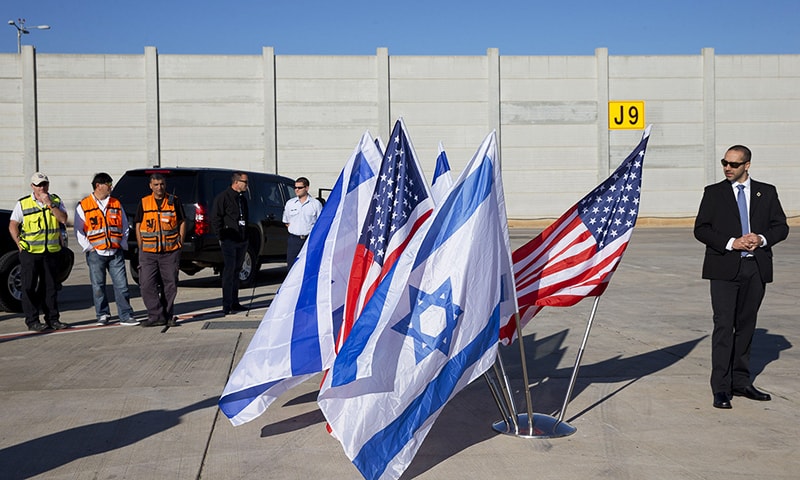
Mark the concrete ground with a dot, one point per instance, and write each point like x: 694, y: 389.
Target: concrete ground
x: 120, y: 402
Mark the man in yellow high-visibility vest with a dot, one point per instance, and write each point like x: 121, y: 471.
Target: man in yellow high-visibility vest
x: 35, y: 226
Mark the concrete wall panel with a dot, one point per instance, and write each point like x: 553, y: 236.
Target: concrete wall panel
x: 655, y: 67
x: 322, y: 91
x: 548, y: 67
x: 71, y: 115
x: 71, y: 90
x: 729, y: 88
x: 660, y: 88
x: 108, y: 67
x: 539, y: 90
x: 438, y: 68
x: 82, y: 139
x: 97, y: 115
x: 11, y: 91
x: 210, y: 90
x: 223, y: 67
x: 325, y: 66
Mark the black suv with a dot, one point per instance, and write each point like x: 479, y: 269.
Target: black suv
x: 10, y: 270
x: 197, y: 188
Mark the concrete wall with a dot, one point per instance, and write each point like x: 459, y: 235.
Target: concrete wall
x: 73, y: 115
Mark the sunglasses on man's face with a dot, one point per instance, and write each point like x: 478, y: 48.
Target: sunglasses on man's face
x: 726, y: 163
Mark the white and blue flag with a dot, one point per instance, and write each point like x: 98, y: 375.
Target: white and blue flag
x: 430, y: 328
x: 442, y: 178
x: 295, y: 339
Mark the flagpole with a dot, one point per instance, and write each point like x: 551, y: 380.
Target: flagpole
x: 522, y: 356
x: 494, y: 388
x: 500, y: 371
x: 578, y: 359
x: 532, y: 425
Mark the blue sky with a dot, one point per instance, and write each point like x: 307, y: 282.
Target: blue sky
x: 412, y: 27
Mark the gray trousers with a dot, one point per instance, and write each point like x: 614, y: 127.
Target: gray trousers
x: 158, y: 283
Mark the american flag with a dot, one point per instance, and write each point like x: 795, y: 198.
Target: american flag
x: 575, y: 257
x: 400, y: 205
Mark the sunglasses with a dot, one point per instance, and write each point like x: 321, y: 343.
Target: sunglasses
x: 299, y: 188
x: 725, y: 163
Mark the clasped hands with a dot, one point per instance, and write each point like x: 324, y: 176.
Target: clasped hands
x: 748, y: 242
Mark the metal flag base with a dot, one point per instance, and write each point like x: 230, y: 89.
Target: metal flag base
x: 544, y: 426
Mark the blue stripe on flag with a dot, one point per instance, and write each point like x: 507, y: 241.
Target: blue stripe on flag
x: 361, y: 172
x: 387, y: 443
x: 234, y: 403
x: 306, y: 353
x: 442, y: 166
x: 458, y: 207
x: 345, y: 367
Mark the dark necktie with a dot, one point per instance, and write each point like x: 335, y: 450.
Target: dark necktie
x: 742, y: 202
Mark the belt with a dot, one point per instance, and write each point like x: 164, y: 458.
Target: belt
x: 301, y: 237
x: 749, y: 257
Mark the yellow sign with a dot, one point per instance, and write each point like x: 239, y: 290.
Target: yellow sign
x: 628, y: 115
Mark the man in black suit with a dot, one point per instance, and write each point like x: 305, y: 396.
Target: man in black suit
x: 738, y: 261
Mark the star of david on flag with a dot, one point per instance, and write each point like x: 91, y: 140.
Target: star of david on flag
x: 430, y: 311
x: 429, y: 329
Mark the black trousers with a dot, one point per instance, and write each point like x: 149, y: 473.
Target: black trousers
x: 232, y: 255
x: 293, y: 246
x: 39, y: 272
x: 735, y: 304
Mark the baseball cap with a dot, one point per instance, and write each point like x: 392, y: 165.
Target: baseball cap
x: 38, y: 178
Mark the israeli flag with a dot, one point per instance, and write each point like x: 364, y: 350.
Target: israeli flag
x: 295, y: 339
x: 430, y: 328
x: 442, y: 178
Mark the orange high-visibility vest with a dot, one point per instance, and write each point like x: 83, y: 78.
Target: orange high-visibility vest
x: 103, y: 230
x: 159, y: 229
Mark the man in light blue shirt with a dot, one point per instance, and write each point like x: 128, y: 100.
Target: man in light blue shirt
x: 300, y: 214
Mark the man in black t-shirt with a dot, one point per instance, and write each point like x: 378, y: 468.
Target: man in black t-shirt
x: 160, y: 230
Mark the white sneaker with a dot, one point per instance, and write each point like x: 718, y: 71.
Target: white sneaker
x: 131, y: 322
x: 103, y: 320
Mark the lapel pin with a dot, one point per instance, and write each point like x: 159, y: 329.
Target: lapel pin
x: 758, y: 194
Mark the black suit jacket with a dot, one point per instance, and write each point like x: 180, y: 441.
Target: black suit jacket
x: 718, y: 221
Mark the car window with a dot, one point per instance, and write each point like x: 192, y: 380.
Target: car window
x: 272, y: 194
x: 218, y: 185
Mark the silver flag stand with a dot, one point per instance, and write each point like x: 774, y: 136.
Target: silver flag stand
x: 543, y: 426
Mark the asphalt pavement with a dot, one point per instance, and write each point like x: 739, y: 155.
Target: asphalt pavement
x: 119, y: 402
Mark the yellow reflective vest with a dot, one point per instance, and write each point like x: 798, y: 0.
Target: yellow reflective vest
x: 40, y: 231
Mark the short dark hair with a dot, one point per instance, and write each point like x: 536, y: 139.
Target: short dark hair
x: 303, y: 180
x: 236, y: 176
x: 746, y: 154
x: 157, y: 176
x: 101, y: 178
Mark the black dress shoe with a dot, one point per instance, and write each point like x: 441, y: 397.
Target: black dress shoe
x: 37, y: 327
x: 153, y: 323
x: 721, y: 400
x: 752, y: 393
x: 56, y: 325
x: 172, y: 322
x: 238, y: 307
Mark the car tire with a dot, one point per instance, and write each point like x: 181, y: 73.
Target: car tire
x: 66, y: 260
x: 133, y: 265
x: 10, y: 282
x: 250, y: 266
